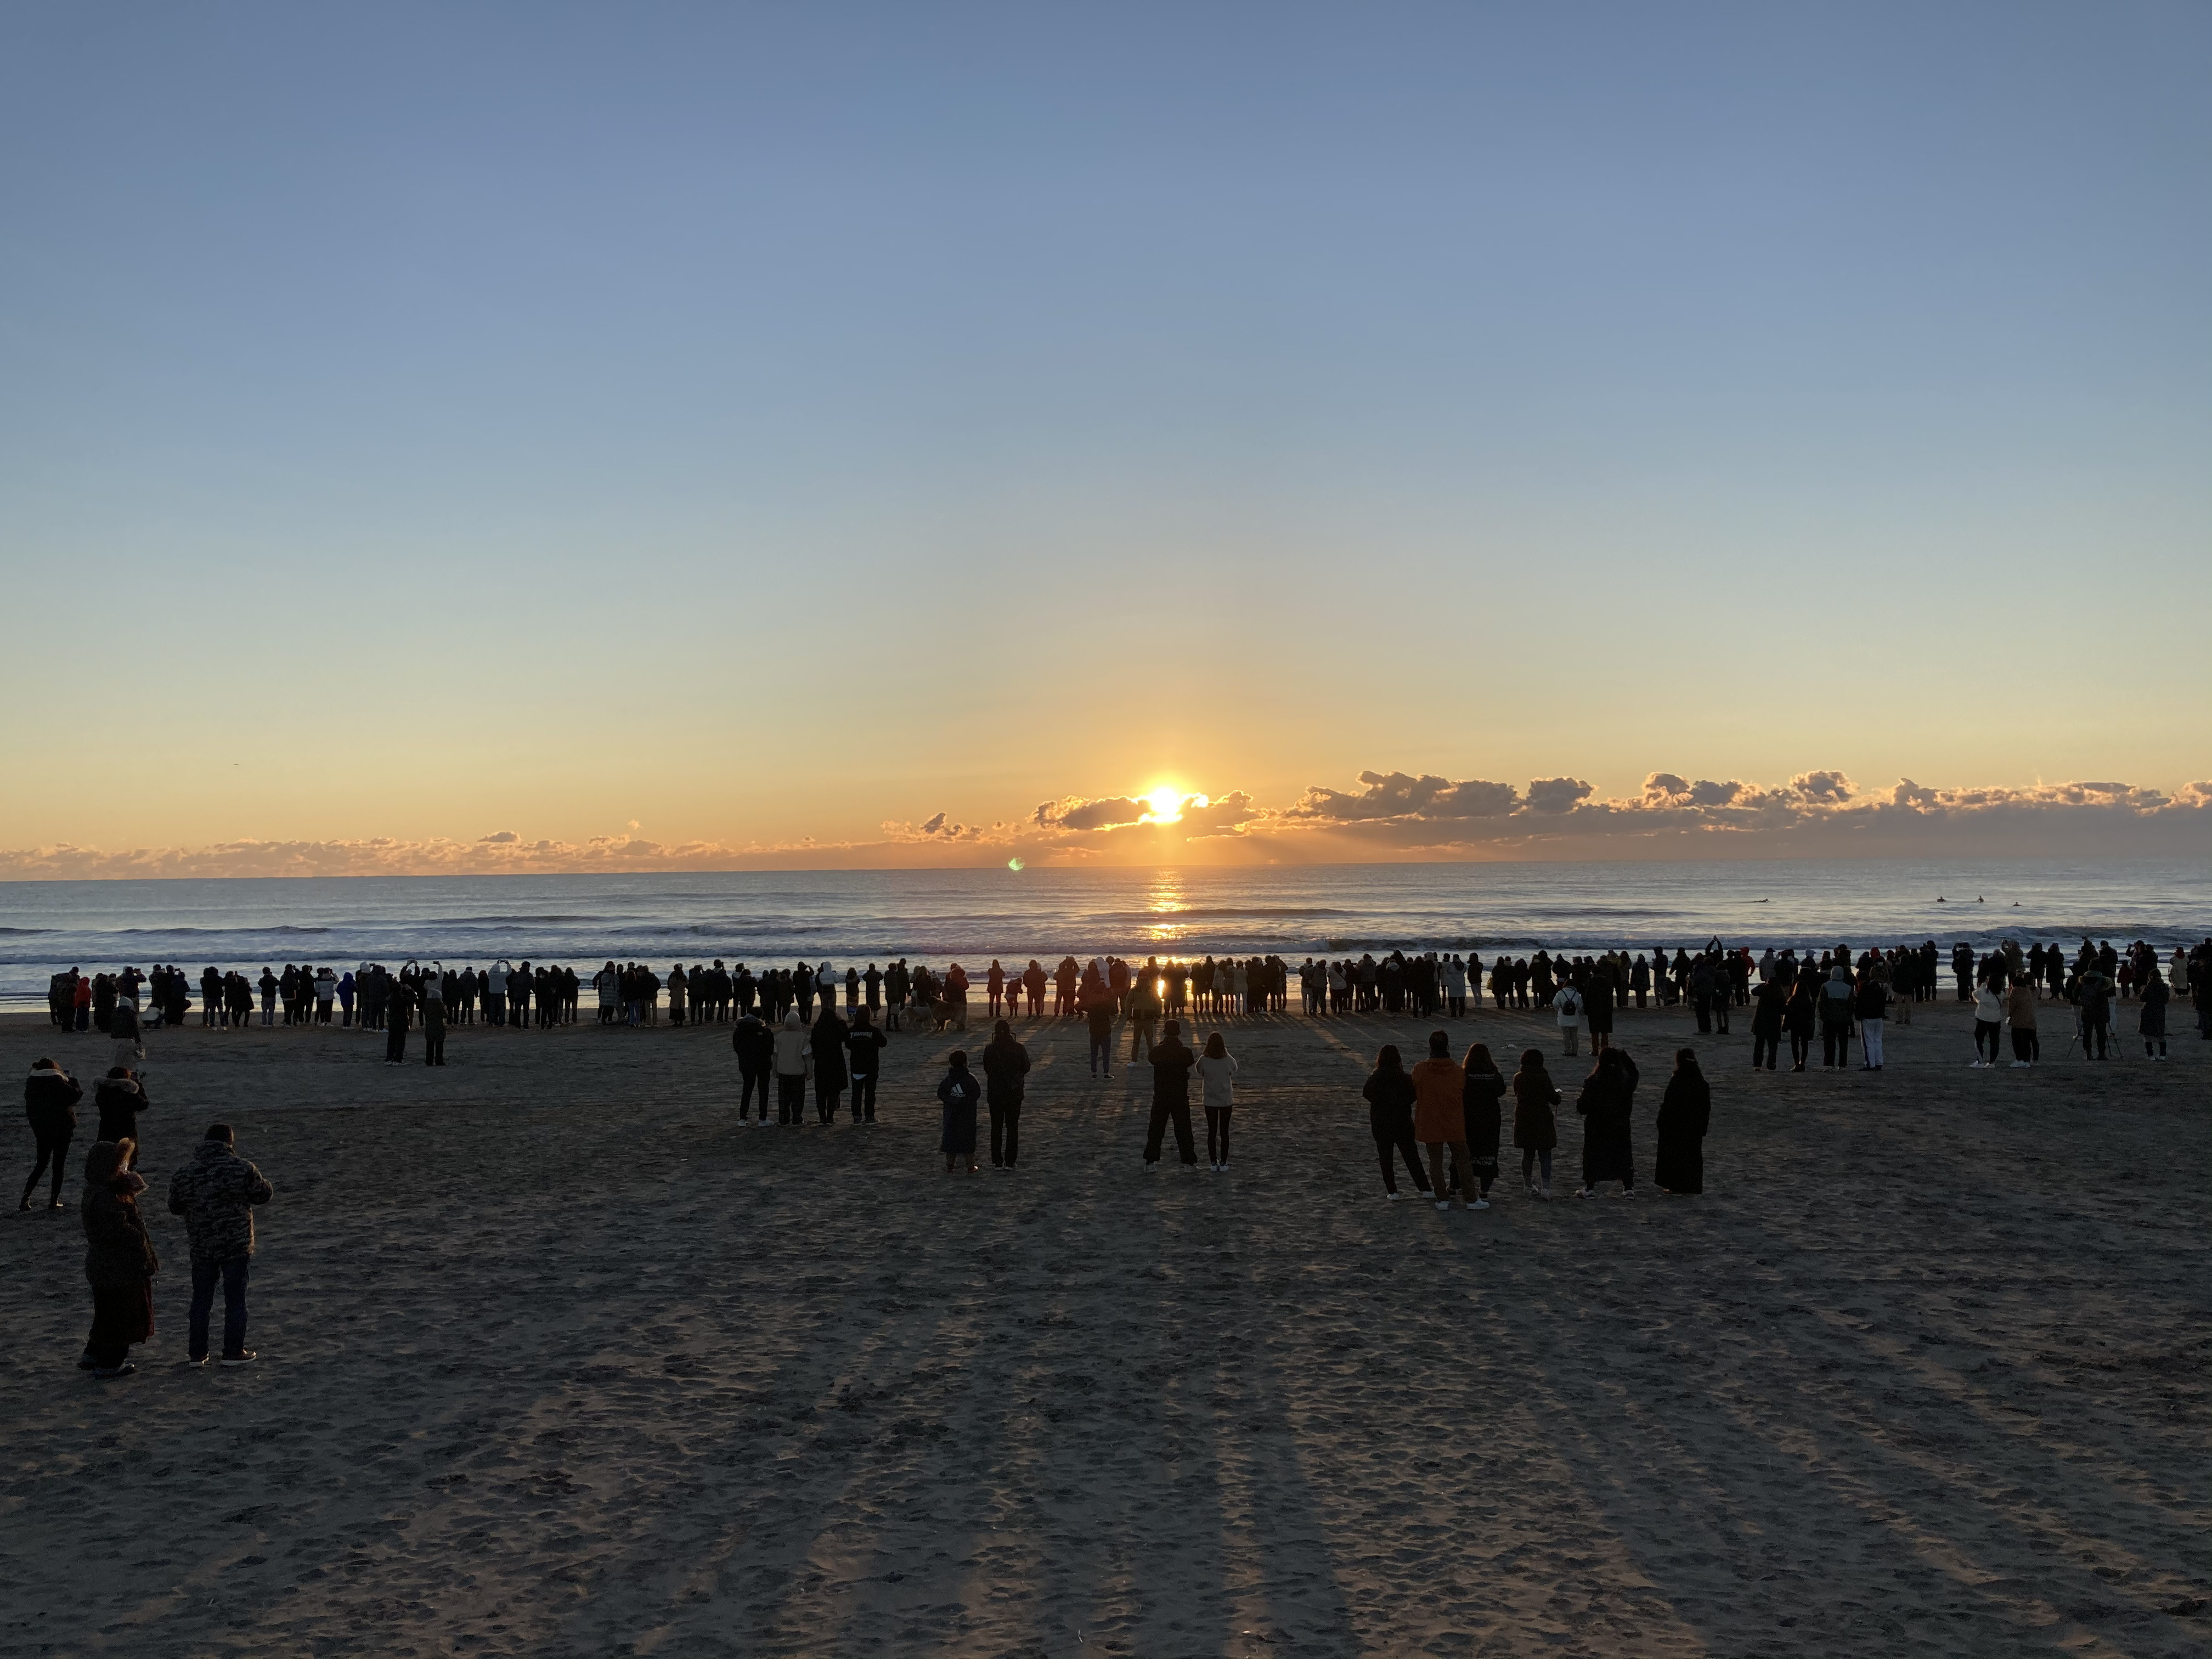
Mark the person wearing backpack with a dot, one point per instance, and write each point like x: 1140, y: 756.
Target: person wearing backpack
x: 1567, y: 1005
x: 1835, y: 1019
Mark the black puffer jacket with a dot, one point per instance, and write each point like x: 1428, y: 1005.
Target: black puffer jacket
x: 120, y: 1099
x: 49, y: 1099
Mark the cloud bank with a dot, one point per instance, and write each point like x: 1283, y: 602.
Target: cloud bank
x: 1391, y: 815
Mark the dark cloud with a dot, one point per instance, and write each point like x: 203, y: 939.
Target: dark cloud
x: 1390, y: 813
x: 1556, y: 794
x: 1078, y: 813
x: 1399, y: 795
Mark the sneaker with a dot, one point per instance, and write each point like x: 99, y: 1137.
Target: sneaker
x: 1545, y: 1194
x: 126, y: 1369
x: 1443, y: 1204
x: 244, y: 1358
x: 1390, y: 1197
x: 1479, y: 1204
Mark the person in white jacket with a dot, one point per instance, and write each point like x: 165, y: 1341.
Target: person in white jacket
x: 1567, y: 1004
x: 794, y: 1055
x: 1217, y: 1073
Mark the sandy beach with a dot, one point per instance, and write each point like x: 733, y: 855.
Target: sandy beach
x: 558, y: 1359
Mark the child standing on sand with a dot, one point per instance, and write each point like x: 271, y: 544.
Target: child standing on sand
x: 959, y: 1093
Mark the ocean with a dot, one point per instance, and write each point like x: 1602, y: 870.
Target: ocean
x: 852, y: 917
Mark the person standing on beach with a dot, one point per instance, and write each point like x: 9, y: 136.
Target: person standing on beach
x: 1440, y: 1123
x: 2150, y: 1025
x: 50, y: 1100
x: 1607, y: 1104
x: 1390, y: 1095
x: 215, y: 1194
x: 1098, y: 1015
x: 792, y: 1064
x: 1535, y: 1129
x: 754, y: 1046
x: 1217, y: 1083
x: 398, y: 1005
x: 1172, y: 1064
x: 1800, y: 1014
x: 1482, y: 1100
x: 1989, y: 1024
x: 864, y: 1050
x: 828, y: 1047
x: 434, y: 1023
x: 1835, y: 1019
x: 119, y: 1262
x: 1768, y: 1002
x: 1006, y: 1064
x: 957, y: 1093
x: 2020, y: 1008
x: 1567, y: 1005
x: 1143, y: 1006
x: 1871, y: 1004
x: 1686, y: 1113
x: 2093, y: 995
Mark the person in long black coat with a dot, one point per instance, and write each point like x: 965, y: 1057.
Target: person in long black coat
x: 1005, y: 1065
x: 1606, y: 1103
x: 1685, y: 1112
x: 1482, y: 1097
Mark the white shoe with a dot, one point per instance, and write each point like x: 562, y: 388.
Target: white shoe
x: 1391, y: 1198
x: 1479, y: 1204
x: 1545, y: 1194
x: 1443, y: 1204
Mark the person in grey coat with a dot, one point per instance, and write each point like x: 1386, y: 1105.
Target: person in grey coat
x: 215, y: 1194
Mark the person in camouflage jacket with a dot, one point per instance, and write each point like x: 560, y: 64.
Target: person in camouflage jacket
x: 215, y: 1194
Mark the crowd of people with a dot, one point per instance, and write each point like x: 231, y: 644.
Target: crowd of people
x: 1839, y: 995
x: 215, y: 1190
x: 811, y: 1028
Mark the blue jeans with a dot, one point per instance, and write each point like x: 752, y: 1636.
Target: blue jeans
x: 232, y: 1275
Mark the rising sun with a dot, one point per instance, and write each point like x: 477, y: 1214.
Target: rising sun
x: 1166, y: 805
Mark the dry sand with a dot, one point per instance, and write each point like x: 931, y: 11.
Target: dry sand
x: 558, y: 1360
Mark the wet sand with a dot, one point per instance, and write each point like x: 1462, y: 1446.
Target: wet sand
x: 559, y: 1360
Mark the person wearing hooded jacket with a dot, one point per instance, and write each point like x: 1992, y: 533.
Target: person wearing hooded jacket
x: 215, y: 1194
x: 50, y: 1100
x: 1686, y: 1113
x: 119, y: 1262
x: 1606, y: 1104
x: 792, y: 1065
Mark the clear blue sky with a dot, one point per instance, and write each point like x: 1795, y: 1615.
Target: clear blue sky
x: 414, y: 371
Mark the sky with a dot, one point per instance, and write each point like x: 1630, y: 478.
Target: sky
x: 886, y: 433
